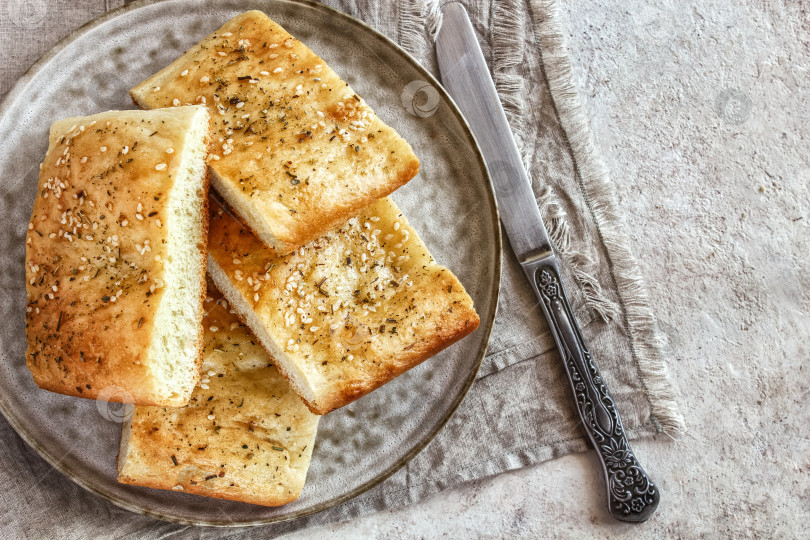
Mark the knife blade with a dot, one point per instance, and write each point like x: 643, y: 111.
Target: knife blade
x: 631, y: 494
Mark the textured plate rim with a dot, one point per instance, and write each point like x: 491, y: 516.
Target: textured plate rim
x: 18, y: 423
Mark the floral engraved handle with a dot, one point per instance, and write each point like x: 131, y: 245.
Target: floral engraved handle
x: 632, y: 496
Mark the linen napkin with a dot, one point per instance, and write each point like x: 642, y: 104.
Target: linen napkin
x: 519, y: 411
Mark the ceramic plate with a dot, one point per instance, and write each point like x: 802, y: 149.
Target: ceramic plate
x: 450, y: 203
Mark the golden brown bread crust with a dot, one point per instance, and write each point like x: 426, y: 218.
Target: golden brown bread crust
x: 309, y: 155
x: 244, y: 436
x: 92, y: 277
x: 397, y: 306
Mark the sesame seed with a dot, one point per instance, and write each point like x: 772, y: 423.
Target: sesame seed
x: 264, y: 73
x: 170, y: 150
x: 210, y: 416
x: 139, y: 217
x: 124, y: 223
x: 160, y: 166
x: 83, y: 160
x: 314, y: 328
x: 222, y: 53
x: 204, y: 79
x: 277, y: 70
x: 204, y: 386
x: 184, y: 73
x: 155, y: 89
x: 103, y: 149
x: 396, y: 226
x: 227, y: 34
x: 240, y: 104
x: 213, y: 328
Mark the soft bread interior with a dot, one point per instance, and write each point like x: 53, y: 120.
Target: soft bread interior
x: 299, y: 382
x: 250, y: 213
x: 176, y: 338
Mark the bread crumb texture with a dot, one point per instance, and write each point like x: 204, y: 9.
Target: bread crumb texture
x: 296, y: 151
x: 244, y: 435
x: 345, y: 313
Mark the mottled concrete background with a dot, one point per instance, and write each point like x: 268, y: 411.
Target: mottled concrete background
x: 703, y: 114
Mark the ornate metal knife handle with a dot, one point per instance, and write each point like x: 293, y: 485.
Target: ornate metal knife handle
x: 632, y: 496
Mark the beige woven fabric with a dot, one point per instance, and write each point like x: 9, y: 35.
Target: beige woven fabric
x: 519, y: 412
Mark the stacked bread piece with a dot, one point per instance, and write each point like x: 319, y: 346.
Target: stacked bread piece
x: 115, y: 256
x: 328, y: 291
x: 296, y: 151
x: 244, y: 435
x: 349, y: 311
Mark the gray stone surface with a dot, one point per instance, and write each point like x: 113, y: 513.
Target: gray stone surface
x: 703, y: 114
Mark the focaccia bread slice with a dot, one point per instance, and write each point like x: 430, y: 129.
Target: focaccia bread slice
x: 296, y: 150
x: 347, y: 312
x: 244, y: 436
x: 115, y: 256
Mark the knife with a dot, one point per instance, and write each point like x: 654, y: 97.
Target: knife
x: 631, y: 494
